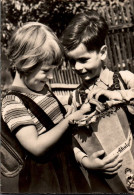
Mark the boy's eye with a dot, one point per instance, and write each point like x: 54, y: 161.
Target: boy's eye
x: 45, y: 71
x: 72, y: 62
x: 82, y: 60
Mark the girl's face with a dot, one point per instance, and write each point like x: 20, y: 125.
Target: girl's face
x: 38, y: 78
x: 87, y: 65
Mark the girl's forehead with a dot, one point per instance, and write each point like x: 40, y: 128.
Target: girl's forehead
x: 47, y: 66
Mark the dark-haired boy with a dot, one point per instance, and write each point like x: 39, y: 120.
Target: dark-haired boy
x: 84, y: 42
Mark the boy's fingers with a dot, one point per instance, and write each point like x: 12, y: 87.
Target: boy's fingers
x: 98, y: 153
x: 92, y: 93
x: 97, y: 103
x: 109, y: 159
x: 114, y: 163
x: 111, y: 173
x: 99, y: 93
x: 114, y: 168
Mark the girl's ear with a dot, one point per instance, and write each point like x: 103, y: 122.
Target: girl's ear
x: 103, y: 52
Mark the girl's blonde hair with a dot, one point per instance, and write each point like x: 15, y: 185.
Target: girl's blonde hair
x: 34, y: 44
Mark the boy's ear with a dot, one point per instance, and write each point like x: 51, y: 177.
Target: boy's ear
x: 103, y: 52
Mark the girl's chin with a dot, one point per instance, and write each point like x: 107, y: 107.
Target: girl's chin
x: 39, y: 87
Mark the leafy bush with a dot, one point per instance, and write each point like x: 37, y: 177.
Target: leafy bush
x: 54, y: 13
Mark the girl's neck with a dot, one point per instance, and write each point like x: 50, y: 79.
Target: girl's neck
x: 18, y: 81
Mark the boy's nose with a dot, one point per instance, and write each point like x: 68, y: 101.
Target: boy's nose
x: 78, y: 66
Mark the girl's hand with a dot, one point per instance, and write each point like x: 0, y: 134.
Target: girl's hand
x: 69, y: 110
x: 76, y: 116
x: 86, y: 107
x: 109, y: 165
x: 111, y: 95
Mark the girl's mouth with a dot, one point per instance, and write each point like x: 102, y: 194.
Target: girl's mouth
x: 43, y: 82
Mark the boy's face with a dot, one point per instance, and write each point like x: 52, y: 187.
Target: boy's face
x: 38, y: 78
x: 87, y: 65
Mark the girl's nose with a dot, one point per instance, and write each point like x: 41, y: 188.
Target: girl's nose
x: 50, y: 74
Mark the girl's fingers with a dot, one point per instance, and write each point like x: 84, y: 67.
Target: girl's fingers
x: 69, y: 110
x: 68, y: 113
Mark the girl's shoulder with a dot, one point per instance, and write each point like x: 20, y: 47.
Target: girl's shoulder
x: 10, y: 99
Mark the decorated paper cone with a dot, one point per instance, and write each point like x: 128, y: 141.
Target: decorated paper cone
x: 113, y: 135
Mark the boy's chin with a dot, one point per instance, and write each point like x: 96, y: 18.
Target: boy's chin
x: 88, y: 79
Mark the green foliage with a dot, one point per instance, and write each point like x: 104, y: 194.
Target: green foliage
x: 54, y: 13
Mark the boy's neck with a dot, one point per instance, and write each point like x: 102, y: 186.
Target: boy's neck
x: 90, y: 82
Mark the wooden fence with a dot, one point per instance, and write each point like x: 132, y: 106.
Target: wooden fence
x: 120, y: 42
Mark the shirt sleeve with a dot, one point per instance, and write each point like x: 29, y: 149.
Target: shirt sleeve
x: 14, y: 113
x: 128, y: 94
x: 128, y: 78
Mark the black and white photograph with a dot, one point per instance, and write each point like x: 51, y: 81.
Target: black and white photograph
x: 67, y: 97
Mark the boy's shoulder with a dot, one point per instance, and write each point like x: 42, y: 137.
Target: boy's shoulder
x: 126, y: 73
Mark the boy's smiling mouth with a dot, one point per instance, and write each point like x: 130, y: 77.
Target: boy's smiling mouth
x: 83, y: 73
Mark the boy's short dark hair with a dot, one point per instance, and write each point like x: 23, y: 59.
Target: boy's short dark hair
x: 88, y: 28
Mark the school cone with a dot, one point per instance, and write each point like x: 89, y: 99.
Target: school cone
x: 112, y: 134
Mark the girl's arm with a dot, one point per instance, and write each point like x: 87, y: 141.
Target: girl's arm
x: 38, y: 145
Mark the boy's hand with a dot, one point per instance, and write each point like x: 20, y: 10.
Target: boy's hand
x: 109, y: 165
x: 111, y: 95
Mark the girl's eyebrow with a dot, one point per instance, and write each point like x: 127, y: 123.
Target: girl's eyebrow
x: 48, y: 67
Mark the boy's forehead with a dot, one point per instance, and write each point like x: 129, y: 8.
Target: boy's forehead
x: 78, y: 52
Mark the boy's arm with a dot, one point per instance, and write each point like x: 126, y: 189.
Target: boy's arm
x: 118, y: 95
x: 108, y: 165
x: 126, y: 94
x: 128, y: 78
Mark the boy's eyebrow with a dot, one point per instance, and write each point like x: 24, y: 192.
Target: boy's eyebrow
x: 83, y: 58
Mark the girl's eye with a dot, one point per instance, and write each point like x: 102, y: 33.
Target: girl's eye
x: 45, y: 71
